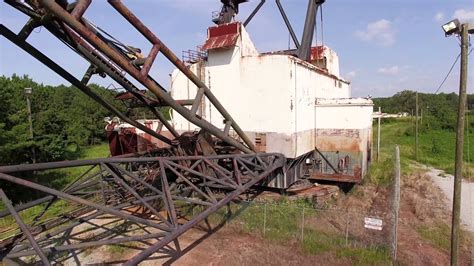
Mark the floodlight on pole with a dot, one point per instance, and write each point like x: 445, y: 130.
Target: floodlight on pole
x: 463, y: 30
x: 451, y: 27
x: 28, y: 92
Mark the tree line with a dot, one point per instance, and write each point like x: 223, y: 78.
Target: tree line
x: 64, y: 120
x: 439, y: 110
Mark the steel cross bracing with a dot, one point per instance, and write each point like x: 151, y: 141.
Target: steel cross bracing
x: 146, y: 200
x: 151, y: 199
x: 67, y: 24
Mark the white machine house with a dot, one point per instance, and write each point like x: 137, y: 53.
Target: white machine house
x: 292, y: 102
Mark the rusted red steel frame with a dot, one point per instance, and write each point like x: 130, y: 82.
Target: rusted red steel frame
x: 127, y: 14
x: 80, y: 7
x: 66, y: 75
x: 23, y: 228
x: 125, y: 83
x: 226, y: 172
x: 142, y: 75
x: 99, y: 61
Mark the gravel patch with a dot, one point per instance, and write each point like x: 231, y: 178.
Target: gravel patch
x: 446, y: 183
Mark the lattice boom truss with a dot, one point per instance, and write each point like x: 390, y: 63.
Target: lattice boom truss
x: 147, y: 200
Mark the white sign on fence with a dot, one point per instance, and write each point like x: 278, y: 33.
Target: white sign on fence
x: 373, y: 223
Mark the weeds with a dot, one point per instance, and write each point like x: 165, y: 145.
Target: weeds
x: 318, y: 242
x: 381, y: 173
x: 437, y: 235
x: 117, y: 249
x: 366, y: 256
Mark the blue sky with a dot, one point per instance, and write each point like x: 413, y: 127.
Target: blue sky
x: 383, y: 46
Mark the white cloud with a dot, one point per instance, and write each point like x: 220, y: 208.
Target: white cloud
x: 439, y: 16
x: 464, y: 15
x: 381, y: 32
x: 393, y: 70
x: 351, y: 74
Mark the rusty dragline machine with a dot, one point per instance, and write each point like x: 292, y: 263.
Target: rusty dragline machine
x: 296, y: 115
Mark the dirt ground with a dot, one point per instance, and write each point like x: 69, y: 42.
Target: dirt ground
x: 223, y: 247
x: 422, y: 205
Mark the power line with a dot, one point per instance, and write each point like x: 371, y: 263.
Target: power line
x: 449, y: 72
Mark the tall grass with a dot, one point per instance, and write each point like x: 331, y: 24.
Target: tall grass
x: 436, y: 146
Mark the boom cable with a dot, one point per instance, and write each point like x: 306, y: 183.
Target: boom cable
x: 322, y: 26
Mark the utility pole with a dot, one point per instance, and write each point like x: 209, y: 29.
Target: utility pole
x: 416, y: 127
x: 396, y: 204
x: 378, y: 133
x: 28, y: 92
x: 459, y: 147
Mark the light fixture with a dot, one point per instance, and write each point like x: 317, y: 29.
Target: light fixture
x: 451, y: 27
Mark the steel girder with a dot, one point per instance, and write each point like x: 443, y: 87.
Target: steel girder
x: 149, y: 200
x: 127, y: 199
x: 67, y: 24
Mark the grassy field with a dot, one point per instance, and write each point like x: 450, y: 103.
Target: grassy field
x: 91, y: 152
x: 54, y: 178
x: 436, y: 149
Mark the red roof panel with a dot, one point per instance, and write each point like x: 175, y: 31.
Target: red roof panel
x: 222, y: 36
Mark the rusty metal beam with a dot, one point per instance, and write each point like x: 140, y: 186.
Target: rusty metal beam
x: 152, y: 85
x: 80, y: 7
x: 86, y: 50
x: 288, y: 24
x: 130, y: 17
x: 88, y: 244
x: 254, y: 12
x: 75, y: 163
x: 74, y: 81
x: 166, y: 169
x: 135, y: 194
x: 80, y: 220
x: 23, y: 227
x: 149, y: 60
x: 79, y: 200
x: 180, y: 230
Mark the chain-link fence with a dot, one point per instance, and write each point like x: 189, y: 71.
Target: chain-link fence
x: 317, y: 230
x: 368, y: 234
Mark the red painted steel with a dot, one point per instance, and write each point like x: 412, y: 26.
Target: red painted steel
x: 222, y: 36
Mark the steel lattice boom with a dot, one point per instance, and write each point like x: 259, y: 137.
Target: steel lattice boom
x: 149, y: 199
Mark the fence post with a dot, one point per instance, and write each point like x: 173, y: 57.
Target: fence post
x: 264, y: 218
x: 378, y: 133
x: 396, y: 203
x: 302, y: 224
x: 347, y: 226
